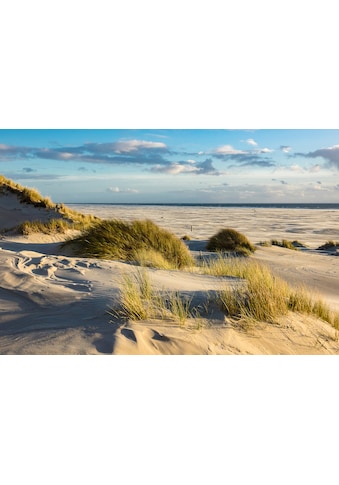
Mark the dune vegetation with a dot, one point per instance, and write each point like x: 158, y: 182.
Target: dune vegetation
x: 284, y: 243
x: 139, y: 240
x: 62, y: 218
x: 230, y: 240
x: 256, y: 296
x: 59, y: 225
x: 263, y: 296
x: 53, y: 226
x: 140, y: 301
x: 25, y: 195
x: 329, y: 246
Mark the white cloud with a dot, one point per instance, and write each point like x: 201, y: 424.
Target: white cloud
x: 122, y: 191
x: 285, y: 148
x: 228, y: 150
x: 66, y: 155
x: 134, y: 145
x: 250, y: 141
x: 265, y: 150
x: 174, y: 168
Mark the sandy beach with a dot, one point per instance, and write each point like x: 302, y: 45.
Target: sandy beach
x: 54, y: 303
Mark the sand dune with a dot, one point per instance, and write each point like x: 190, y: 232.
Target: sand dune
x: 52, y: 303
x: 13, y: 213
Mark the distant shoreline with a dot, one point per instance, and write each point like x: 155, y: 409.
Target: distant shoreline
x: 320, y: 206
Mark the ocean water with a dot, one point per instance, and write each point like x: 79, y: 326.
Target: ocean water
x: 312, y: 205
x: 310, y: 224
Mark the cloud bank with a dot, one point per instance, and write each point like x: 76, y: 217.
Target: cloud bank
x: 330, y: 154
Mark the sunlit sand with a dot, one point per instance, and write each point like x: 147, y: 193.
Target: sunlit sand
x: 54, y: 303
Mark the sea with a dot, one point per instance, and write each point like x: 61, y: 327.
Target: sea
x: 267, y: 205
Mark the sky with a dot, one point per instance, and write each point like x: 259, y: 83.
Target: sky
x: 175, y: 165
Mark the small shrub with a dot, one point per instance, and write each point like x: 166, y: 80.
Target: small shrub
x: 230, y: 240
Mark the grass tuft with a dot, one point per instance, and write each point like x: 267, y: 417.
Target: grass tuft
x: 116, y: 239
x: 329, y: 245
x: 139, y: 301
x: 64, y: 217
x: 151, y: 258
x: 263, y: 296
x: 53, y: 226
x: 284, y: 243
x: 230, y: 240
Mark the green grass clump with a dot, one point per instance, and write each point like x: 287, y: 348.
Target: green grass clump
x: 300, y: 300
x: 136, y: 298
x: 54, y: 226
x: 31, y: 196
x: 221, y: 266
x: 117, y: 239
x: 139, y: 301
x: 26, y: 195
x: 284, y: 243
x: 180, y: 307
x: 150, y: 258
x: 230, y: 240
x: 265, y: 244
x: 83, y: 221
x: 329, y: 245
x: 261, y: 296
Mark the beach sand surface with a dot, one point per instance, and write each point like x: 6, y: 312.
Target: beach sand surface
x: 54, y: 303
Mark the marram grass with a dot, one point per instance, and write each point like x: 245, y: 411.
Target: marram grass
x: 140, y: 301
x: 53, y: 226
x: 232, y: 241
x: 128, y: 241
x: 263, y: 296
x: 62, y: 218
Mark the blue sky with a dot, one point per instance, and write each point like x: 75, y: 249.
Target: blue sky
x: 169, y: 166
